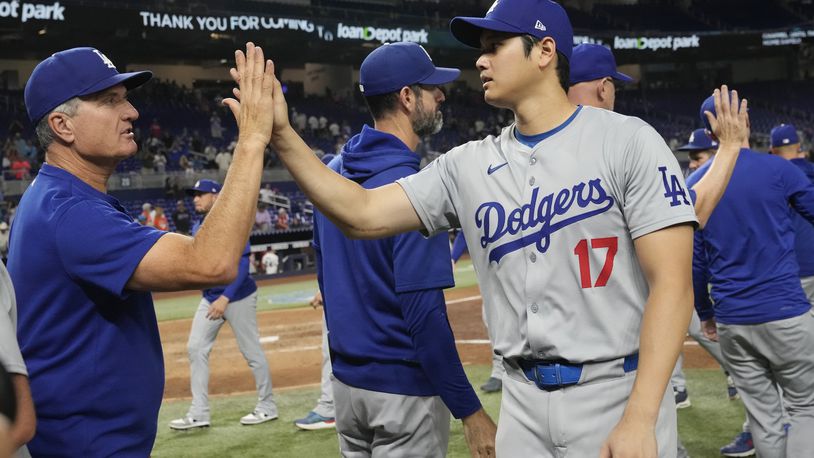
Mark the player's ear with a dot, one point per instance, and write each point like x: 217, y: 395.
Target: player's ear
x: 601, y: 93
x: 62, y: 126
x: 407, y: 99
x: 548, y: 52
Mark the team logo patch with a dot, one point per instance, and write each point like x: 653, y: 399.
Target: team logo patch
x: 673, y: 189
x: 550, y: 213
x: 104, y: 58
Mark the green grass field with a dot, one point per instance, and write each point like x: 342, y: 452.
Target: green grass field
x: 282, y: 296
x: 711, y: 422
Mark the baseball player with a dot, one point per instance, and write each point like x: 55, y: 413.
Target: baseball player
x: 762, y: 314
x: 392, y: 349
x: 236, y: 304
x: 701, y: 147
x: 83, y: 268
x: 11, y: 360
x: 594, y: 77
x: 786, y: 143
x: 568, y: 211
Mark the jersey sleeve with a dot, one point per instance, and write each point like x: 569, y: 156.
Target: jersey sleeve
x: 420, y: 263
x: 100, y: 246
x: 654, y: 193
x: 432, y: 192
x: 10, y: 356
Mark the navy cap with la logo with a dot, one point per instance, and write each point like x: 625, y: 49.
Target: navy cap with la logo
x: 205, y: 185
x: 73, y: 73
x: 538, y: 18
x: 393, y: 66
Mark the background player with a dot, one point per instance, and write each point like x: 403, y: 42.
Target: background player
x: 76, y: 298
x: 594, y: 76
x: 235, y: 303
x: 786, y: 143
x: 762, y: 314
x: 700, y: 148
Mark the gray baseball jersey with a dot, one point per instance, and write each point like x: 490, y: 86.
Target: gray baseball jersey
x: 551, y: 229
x: 10, y: 355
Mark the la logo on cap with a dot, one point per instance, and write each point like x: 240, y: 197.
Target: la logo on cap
x: 492, y: 8
x: 198, y: 184
x: 104, y: 58
x: 692, y: 137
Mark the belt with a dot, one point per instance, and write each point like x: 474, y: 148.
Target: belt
x: 552, y: 376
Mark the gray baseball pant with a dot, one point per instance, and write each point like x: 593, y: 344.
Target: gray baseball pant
x: 325, y: 404
x: 573, y: 421
x: 808, y: 287
x: 678, y: 380
x: 384, y: 425
x: 242, y: 317
x: 762, y: 355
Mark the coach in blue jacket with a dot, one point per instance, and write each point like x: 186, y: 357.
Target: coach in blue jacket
x: 397, y: 374
x: 763, y: 321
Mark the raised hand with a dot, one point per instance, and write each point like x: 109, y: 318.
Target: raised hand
x: 730, y: 123
x: 253, y: 104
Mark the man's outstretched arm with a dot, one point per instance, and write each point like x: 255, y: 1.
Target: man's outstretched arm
x: 730, y: 124
x: 358, y: 212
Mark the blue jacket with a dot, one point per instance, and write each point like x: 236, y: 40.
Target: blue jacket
x: 746, y: 250
x: 384, y: 306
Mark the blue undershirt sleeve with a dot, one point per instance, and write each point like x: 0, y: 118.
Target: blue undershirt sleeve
x: 458, y: 246
x: 426, y: 316
x: 242, y: 273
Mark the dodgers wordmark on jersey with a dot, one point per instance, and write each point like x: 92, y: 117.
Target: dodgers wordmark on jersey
x: 551, y: 229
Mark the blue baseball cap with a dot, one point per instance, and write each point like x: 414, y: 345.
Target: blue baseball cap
x: 538, y: 18
x: 699, y: 141
x: 392, y: 66
x: 210, y: 186
x: 707, y: 105
x: 783, y: 135
x: 73, y: 73
x: 591, y: 62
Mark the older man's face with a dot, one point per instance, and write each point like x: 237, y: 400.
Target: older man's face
x: 103, y: 125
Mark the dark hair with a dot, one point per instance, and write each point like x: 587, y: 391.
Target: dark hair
x: 382, y: 104
x: 563, y: 66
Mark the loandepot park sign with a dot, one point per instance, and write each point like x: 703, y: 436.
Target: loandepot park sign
x: 247, y: 23
x: 670, y: 42
x: 25, y: 12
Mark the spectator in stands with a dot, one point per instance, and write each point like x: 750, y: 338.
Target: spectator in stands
x: 333, y: 129
x: 262, y: 218
x: 147, y: 215
x: 282, y: 220
x: 210, y: 152
x: 223, y: 159
x: 3, y: 240
x: 182, y: 218
x: 20, y: 167
x: 155, y: 129
x: 186, y: 165
x: 313, y: 124
x: 160, y: 162
x: 301, y: 121
x: 160, y: 221
x: 215, y: 128
x: 270, y: 261
x: 296, y: 221
x: 266, y: 194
